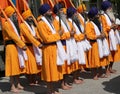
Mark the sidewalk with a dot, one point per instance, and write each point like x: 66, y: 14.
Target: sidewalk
x: 109, y: 85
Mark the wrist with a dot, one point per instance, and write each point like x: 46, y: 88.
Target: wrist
x: 40, y: 45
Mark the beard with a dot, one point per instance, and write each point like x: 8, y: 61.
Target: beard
x: 97, y: 22
x: 63, y: 17
x: 111, y: 15
x: 31, y: 22
x: 76, y: 20
x: 15, y: 21
x: 49, y: 17
x: 84, y: 14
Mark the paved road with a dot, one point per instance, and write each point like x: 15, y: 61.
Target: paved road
x: 109, y: 85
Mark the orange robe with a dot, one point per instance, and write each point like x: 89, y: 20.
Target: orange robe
x: 49, y: 64
x: 79, y: 38
x: 66, y: 69
x: 11, y: 59
x: 63, y: 69
x: 93, y: 55
x: 75, y: 65
x: 114, y: 57
x: 31, y: 65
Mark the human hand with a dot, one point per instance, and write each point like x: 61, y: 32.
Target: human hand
x: 24, y: 47
x: 60, y: 32
x: 40, y: 45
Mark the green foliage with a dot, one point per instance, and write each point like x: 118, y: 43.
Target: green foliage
x: 115, y: 1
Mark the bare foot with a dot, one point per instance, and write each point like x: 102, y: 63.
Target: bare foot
x: 34, y: 84
x: 113, y: 71
x: 76, y: 81
x: 57, y: 92
x: 104, y: 76
x: 83, y: 70
x: 64, y: 87
x: 14, y: 90
x: 20, y: 87
x: 70, y: 86
x: 95, y: 78
x: 50, y: 92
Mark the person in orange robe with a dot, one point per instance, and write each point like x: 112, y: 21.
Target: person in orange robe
x: 82, y: 13
x: 30, y: 36
x: 12, y: 63
x: 82, y: 16
x: 107, y: 10
x: 66, y: 69
x: 50, y: 72
x: 94, y: 60
x: 73, y: 15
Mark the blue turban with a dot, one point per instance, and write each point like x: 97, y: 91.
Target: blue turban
x: 92, y: 12
x: 105, y: 5
x: 70, y: 12
x: 56, y: 8
x: 44, y: 8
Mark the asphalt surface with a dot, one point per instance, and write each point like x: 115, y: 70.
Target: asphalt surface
x: 109, y: 85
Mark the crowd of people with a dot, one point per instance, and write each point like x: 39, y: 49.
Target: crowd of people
x: 59, y: 44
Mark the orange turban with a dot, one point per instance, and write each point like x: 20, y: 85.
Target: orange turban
x: 9, y: 11
x: 81, y: 8
x: 26, y: 14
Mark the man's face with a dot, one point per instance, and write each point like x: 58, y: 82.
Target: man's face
x: 30, y: 18
x: 75, y: 15
x: 75, y: 18
x: 111, y: 14
x: 97, y: 16
x: 49, y: 13
x: 15, y: 15
x: 61, y: 11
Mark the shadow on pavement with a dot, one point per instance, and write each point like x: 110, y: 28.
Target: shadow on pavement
x: 36, y: 89
x: 4, y: 86
x: 89, y: 74
x: 112, y: 86
x: 39, y: 89
x: 86, y: 75
x: 2, y: 73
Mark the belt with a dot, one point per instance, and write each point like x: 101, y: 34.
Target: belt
x: 93, y: 40
x: 46, y: 44
x: 8, y: 42
x: 29, y: 44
